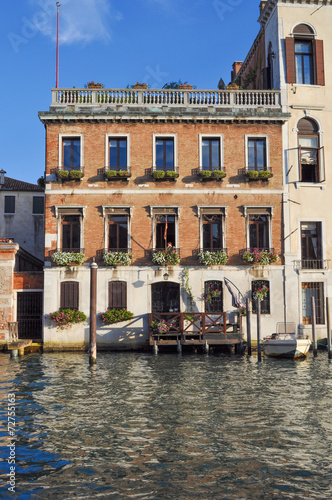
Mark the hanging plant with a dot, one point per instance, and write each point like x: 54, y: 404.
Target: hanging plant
x: 211, y: 294
x: 260, y: 293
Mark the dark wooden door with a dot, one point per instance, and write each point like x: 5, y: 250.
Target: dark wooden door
x: 29, y: 315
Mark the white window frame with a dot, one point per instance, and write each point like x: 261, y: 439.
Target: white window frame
x: 107, y: 149
x: 59, y: 214
x: 201, y: 137
x: 106, y: 213
x: 270, y: 215
x: 153, y: 215
x: 200, y: 212
x: 257, y: 136
x: 64, y: 136
x: 175, y: 152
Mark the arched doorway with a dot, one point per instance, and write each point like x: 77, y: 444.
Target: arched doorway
x: 165, y: 297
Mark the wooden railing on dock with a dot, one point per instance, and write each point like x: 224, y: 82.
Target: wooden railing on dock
x: 179, y: 326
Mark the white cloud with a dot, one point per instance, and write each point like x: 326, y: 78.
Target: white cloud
x: 80, y: 20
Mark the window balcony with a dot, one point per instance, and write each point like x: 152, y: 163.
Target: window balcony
x: 165, y: 175
x: 68, y: 174
x: 170, y: 257
x: 117, y: 173
x: 262, y: 256
x: 312, y: 264
x: 211, y: 173
x: 211, y: 257
x: 261, y: 174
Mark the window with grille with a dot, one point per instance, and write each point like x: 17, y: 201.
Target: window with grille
x: 69, y: 295
x: 117, y: 295
x: 265, y: 303
x: 213, y: 296
x: 316, y: 290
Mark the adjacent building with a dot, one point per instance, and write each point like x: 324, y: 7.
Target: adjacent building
x: 291, y: 54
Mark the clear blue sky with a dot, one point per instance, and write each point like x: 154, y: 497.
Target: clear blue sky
x: 113, y: 42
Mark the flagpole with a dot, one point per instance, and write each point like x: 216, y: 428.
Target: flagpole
x: 57, y: 46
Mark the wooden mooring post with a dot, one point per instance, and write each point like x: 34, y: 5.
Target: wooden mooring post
x: 248, y: 327
x: 329, y: 347
x: 313, y: 324
x: 259, y: 347
x: 93, y: 312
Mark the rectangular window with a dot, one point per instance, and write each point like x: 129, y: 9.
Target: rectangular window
x: 70, y: 233
x: 118, y: 233
x: 257, y: 158
x: 304, y: 62
x: 213, y: 296
x: 315, y: 290
x: 117, y: 295
x: 310, y: 159
x: 258, y: 231
x: 311, y: 245
x: 164, y: 153
x: 9, y: 204
x: 265, y: 303
x: 38, y: 205
x: 118, y: 153
x: 212, y: 232
x: 211, y: 154
x: 164, y: 231
x: 69, y: 295
x: 71, y: 153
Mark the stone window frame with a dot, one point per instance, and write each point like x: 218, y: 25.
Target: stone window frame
x: 116, y: 210
x: 116, y: 135
x: 258, y: 210
x: 156, y: 210
x: 201, y: 137
x: 61, y: 139
x: 154, y: 151
x: 211, y: 210
x: 61, y: 210
x: 267, y: 149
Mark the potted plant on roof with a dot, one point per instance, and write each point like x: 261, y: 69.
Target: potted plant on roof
x: 94, y: 85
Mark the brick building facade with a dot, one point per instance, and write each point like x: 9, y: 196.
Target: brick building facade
x: 182, y: 168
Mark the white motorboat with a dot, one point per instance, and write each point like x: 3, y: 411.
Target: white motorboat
x: 285, y: 343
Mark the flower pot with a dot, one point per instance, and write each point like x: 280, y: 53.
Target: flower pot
x: 95, y: 86
x: 186, y: 87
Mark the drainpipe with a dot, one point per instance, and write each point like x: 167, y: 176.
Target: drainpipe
x: 93, y: 312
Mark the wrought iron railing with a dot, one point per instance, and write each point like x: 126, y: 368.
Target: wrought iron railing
x: 312, y: 264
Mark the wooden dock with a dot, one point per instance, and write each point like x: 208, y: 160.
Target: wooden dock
x: 199, y: 330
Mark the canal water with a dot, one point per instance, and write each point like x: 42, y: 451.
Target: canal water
x: 166, y: 427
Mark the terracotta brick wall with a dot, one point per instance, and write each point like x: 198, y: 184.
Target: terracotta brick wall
x: 141, y: 146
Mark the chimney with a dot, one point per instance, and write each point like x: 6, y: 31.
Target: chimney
x: 236, y: 68
x: 262, y: 6
x: 2, y: 178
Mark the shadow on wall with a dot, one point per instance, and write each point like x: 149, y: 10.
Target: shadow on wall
x: 126, y: 334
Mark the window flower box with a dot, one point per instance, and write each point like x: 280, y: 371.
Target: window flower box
x: 258, y: 175
x: 212, y: 175
x: 66, y: 318
x: 162, y: 175
x: 257, y: 256
x: 69, y: 175
x: 114, y: 175
x: 117, y: 258
x: 68, y: 258
x: 208, y: 258
x: 112, y: 316
x: 170, y: 257
x: 186, y: 86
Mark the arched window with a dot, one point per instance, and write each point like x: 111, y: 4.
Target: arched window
x: 311, y: 165
x: 213, y: 296
x: 304, y: 57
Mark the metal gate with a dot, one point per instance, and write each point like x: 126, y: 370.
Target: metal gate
x: 29, y: 315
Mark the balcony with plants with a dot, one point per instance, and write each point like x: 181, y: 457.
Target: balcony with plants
x: 261, y: 256
x: 216, y: 256
x: 259, y: 174
x: 68, y: 257
x: 165, y: 175
x: 74, y: 174
x: 162, y: 257
x: 117, y: 257
x: 211, y: 174
x: 117, y: 173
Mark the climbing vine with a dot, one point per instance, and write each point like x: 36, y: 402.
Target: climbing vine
x: 188, y: 288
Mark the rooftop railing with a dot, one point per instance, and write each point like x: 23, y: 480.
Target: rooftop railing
x: 169, y: 98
